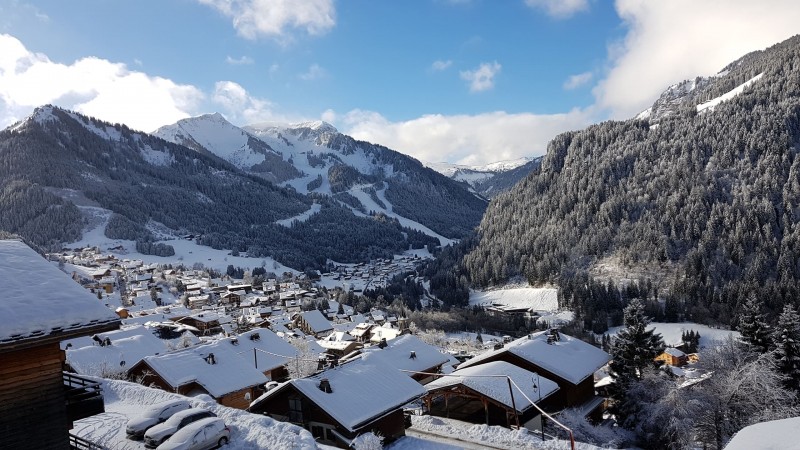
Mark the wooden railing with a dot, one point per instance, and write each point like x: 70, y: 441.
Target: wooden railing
x: 84, y: 397
x: 79, y: 443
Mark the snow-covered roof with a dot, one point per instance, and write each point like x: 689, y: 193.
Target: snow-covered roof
x: 568, y: 357
x: 230, y: 373
x: 496, y: 388
x: 359, y: 393
x: 262, y: 347
x: 383, y: 332
x: 771, y: 435
x: 317, y: 321
x: 129, y: 345
x: 40, y: 300
x: 397, y: 354
x: 674, y: 352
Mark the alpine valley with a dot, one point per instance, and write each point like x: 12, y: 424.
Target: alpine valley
x: 303, y: 194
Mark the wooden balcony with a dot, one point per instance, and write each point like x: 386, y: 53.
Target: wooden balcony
x: 83, y: 396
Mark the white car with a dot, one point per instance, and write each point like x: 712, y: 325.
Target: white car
x: 201, y: 435
x: 161, y: 432
x: 154, y: 415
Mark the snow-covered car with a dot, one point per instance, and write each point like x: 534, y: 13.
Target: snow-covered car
x: 154, y: 415
x: 161, y: 432
x: 201, y: 435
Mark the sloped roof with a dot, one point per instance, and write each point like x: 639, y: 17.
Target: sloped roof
x: 130, y: 345
x: 40, y: 300
x: 361, y: 392
x: 397, y: 354
x: 262, y: 347
x: 230, y: 373
x: 317, y: 321
x: 569, y: 357
x: 479, y: 378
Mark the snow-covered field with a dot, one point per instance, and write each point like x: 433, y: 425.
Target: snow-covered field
x: 538, y: 299
x: 671, y: 332
x: 125, y: 400
x: 187, y: 252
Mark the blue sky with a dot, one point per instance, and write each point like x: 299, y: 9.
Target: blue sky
x: 461, y: 81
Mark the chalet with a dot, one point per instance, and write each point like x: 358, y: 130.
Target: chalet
x: 206, y: 322
x: 383, y: 332
x: 215, y: 369
x: 566, y: 360
x: 673, y: 357
x: 339, y: 343
x: 246, y: 288
x: 408, y: 353
x: 314, y: 323
x: 339, y: 404
x: 198, y: 301
x: 111, y: 353
x: 484, y: 394
x: 265, y: 351
x: 38, y: 401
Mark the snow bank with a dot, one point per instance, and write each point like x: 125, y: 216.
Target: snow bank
x: 537, y: 299
x: 772, y: 435
x: 126, y: 400
x: 671, y: 333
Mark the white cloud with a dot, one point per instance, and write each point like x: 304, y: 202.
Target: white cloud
x: 314, y: 72
x: 559, y: 9
x: 482, y: 78
x: 440, y: 65
x: 465, y: 139
x: 669, y: 41
x: 244, y: 60
x: 93, y: 86
x: 239, y: 106
x: 576, y: 81
x: 329, y: 116
x: 272, y: 18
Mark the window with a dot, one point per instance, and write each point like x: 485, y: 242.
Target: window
x: 295, y: 409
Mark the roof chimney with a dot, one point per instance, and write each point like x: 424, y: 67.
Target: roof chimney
x: 382, y: 343
x: 325, y: 386
x: 413, y: 355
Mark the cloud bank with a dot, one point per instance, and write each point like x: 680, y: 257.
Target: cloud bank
x: 93, y: 86
x: 273, y: 18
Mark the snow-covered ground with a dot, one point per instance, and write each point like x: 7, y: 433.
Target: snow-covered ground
x: 489, y: 436
x: 671, y: 332
x: 302, y: 217
x: 537, y: 299
x: 711, y: 104
x: 187, y: 252
x: 124, y: 400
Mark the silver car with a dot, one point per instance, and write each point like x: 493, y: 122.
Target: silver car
x: 154, y: 415
x: 201, y: 435
x: 161, y: 432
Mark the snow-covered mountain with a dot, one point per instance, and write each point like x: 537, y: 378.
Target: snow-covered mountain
x: 313, y: 158
x: 490, y: 179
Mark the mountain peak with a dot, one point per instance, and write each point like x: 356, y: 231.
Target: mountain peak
x: 316, y: 125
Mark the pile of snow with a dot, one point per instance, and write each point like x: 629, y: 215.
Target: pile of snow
x: 494, y: 436
x: 772, y: 435
x: 125, y: 400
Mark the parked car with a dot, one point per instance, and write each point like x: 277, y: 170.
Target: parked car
x: 201, y: 435
x: 154, y: 415
x: 161, y: 432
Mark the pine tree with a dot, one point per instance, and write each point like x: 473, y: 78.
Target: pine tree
x: 754, y: 329
x: 787, y: 351
x: 632, y: 353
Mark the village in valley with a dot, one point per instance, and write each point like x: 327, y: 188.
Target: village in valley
x: 263, y: 348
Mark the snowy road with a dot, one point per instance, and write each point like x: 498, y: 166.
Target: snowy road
x: 448, y: 442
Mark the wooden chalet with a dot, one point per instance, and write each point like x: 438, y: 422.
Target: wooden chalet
x: 38, y: 401
x: 484, y: 394
x: 567, y: 361
x: 314, y: 323
x: 215, y: 369
x: 265, y: 351
x: 339, y: 404
x: 410, y: 355
x: 673, y: 357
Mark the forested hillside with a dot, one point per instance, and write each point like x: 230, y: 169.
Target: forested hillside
x: 700, y: 196
x: 56, y: 157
